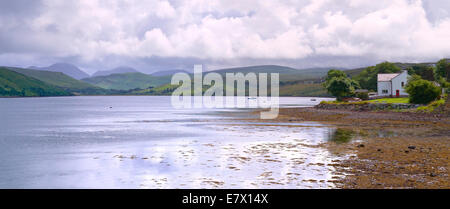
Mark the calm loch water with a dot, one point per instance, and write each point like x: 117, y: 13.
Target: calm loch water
x: 142, y: 142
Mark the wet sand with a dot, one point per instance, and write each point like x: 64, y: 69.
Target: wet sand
x: 387, y: 149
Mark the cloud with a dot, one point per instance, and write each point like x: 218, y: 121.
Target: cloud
x: 224, y: 31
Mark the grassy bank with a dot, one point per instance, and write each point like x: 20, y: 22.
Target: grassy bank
x: 404, y: 100
x: 388, y: 105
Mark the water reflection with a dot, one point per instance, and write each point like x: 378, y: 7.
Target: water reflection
x: 79, y: 142
x: 341, y: 135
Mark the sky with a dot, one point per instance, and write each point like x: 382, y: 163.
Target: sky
x: 153, y: 35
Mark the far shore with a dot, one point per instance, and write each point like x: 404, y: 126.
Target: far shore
x: 117, y: 95
x: 392, y: 149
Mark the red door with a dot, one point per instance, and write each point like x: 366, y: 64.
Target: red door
x: 397, y: 94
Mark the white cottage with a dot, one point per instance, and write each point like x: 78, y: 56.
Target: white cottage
x: 392, y: 84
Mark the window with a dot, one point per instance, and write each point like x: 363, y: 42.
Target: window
x: 403, y: 84
x: 385, y: 91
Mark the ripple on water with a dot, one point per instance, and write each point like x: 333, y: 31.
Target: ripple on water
x: 261, y: 160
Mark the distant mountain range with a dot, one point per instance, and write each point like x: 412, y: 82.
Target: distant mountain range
x: 259, y: 69
x: 127, y: 81
x: 119, y: 70
x: 62, y: 80
x: 133, y: 82
x: 168, y: 72
x: 286, y: 73
x: 68, y: 69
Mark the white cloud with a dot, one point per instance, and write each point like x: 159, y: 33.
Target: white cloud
x: 165, y: 10
x: 314, y: 6
x: 232, y: 29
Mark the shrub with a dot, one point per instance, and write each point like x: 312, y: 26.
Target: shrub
x: 363, y: 95
x: 432, y: 106
x: 422, y: 92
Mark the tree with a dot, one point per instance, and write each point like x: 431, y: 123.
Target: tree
x: 442, y: 70
x: 339, y: 84
x: 368, y: 78
x: 340, y: 87
x: 413, y: 78
x: 335, y: 74
x: 355, y: 84
x: 422, y: 91
x: 424, y: 71
x: 387, y: 67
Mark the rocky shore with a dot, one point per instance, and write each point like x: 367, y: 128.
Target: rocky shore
x: 388, y: 149
x: 366, y: 106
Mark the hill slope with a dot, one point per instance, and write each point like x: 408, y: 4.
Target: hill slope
x: 61, y: 80
x: 127, y: 81
x: 286, y: 73
x: 68, y: 69
x: 168, y: 72
x: 291, y: 89
x: 15, y: 84
x: 119, y: 70
x: 258, y: 69
x: 293, y: 82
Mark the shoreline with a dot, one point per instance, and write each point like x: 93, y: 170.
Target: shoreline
x: 115, y: 95
x: 391, y: 149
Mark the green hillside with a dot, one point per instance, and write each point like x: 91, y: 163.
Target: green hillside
x: 127, y: 81
x: 304, y: 90
x: 61, y: 80
x: 13, y: 84
x: 306, y: 74
x: 299, y: 89
x: 293, y: 82
x: 286, y: 73
x: 164, y: 90
x: 258, y: 69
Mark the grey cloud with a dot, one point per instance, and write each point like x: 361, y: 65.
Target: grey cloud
x: 437, y: 9
x: 20, y: 8
x: 153, y: 35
